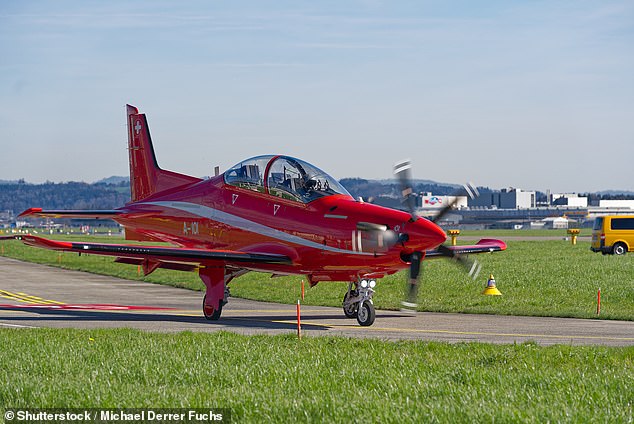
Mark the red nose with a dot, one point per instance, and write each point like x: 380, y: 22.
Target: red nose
x: 424, y: 234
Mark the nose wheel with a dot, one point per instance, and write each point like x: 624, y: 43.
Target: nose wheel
x: 357, y: 302
x: 366, y: 314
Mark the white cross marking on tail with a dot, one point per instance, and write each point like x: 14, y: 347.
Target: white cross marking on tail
x: 138, y: 127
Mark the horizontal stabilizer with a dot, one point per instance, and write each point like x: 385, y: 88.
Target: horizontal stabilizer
x: 75, y: 214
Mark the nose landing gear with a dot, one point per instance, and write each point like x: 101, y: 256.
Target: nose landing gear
x: 357, y: 302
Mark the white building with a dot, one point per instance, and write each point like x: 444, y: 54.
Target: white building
x: 430, y: 201
x: 616, y: 204
x: 507, y: 198
x: 560, y: 223
x: 569, y: 199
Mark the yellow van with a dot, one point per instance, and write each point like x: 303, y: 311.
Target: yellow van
x: 613, y: 234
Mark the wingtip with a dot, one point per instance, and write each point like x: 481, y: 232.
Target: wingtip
x: 497, y: 243
x: 30, y: 211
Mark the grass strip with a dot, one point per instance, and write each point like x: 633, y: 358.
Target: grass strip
x: 326, y: 379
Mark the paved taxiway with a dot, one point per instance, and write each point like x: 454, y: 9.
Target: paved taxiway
x: 34, y: 295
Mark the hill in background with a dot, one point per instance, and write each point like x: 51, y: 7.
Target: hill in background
x: 20, y: 196
x: 114, y: 191
x: 114, y: 180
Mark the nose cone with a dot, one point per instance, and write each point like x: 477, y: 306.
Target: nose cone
x: 424, y: 234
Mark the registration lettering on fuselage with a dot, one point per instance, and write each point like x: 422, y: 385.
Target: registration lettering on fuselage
x: 191, y: 228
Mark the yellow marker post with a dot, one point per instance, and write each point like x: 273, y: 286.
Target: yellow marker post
x: 574, y: 232
x: 454, y: 236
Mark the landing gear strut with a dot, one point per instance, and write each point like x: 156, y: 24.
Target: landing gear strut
x: 358, y: 304
x: 217, y: 292
x: 349, y: 308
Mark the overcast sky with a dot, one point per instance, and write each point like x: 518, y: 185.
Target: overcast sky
x: 530, y: 94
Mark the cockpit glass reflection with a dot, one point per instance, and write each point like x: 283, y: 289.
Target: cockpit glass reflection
x: 295, y: 179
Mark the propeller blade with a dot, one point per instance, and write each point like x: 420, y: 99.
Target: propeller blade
x: 469, y: 189
x: 403, y: 171
x: 471, y: 266
x: 412, y: 281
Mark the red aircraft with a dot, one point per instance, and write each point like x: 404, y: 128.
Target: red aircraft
x: 274, y: 214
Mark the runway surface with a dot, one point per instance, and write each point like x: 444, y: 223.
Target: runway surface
x: 34, y: 295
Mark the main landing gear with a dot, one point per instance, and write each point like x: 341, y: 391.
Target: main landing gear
x: 216, y: 293
x: 209, y: 312
x: 357, y: 302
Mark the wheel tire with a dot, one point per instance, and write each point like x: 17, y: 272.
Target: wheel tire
x: 366, y: 314
x: 350, y: 311
x: 209, y: 312
x: 619, y: 249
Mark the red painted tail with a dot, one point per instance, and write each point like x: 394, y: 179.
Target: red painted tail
x: 146, y: 177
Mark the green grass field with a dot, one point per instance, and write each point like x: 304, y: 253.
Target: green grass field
x: 332, y: 379
x: 282, y: 379
x: 541, y: 277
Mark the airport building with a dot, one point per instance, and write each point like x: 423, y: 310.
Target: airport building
x: 568, y: 199
x: 429, y: 201
x: 626, y: 204
x: 516, y: 208
x: 508, y: 198
x: 7, y: 219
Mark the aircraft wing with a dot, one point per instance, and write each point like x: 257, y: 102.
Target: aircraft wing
x: 483, y: 246
x: 153, y: 257
x: 76, y: 214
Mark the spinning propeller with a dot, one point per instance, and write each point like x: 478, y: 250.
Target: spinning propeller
x: 402, y: 170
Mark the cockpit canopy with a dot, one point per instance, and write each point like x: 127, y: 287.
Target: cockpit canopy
x: 285, y: 177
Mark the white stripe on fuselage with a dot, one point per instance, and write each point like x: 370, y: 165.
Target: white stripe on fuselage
x: 246, y: 225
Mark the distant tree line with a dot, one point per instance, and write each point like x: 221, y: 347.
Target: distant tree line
x: 71, y: 195
x: 18, y: 196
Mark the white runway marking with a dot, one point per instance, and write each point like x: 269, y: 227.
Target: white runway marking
x: 4, y: 324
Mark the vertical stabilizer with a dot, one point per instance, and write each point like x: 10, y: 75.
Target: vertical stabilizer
x: 146, y: 177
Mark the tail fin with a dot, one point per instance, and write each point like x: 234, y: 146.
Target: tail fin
x: 146, y: 177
